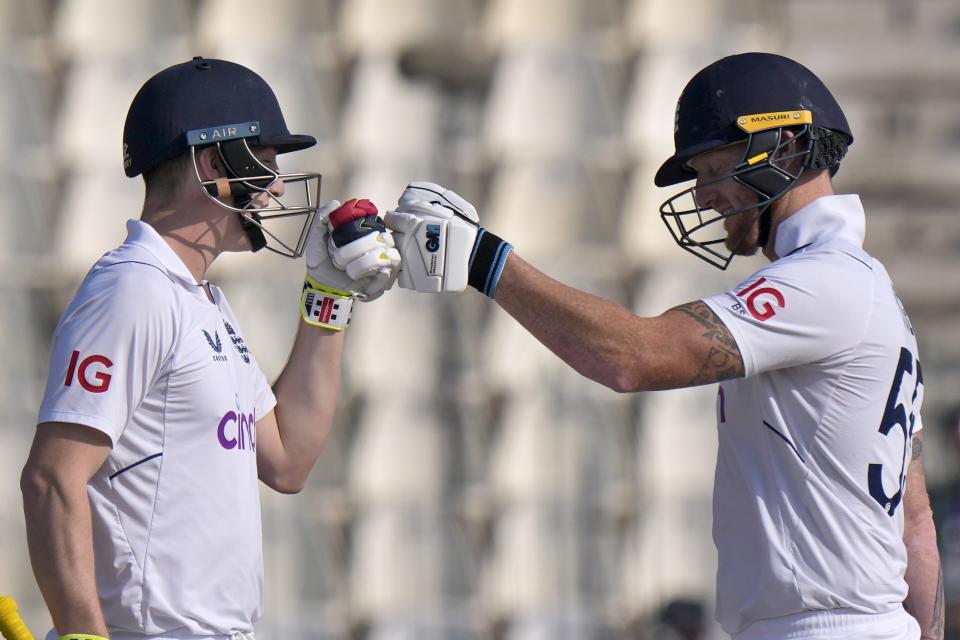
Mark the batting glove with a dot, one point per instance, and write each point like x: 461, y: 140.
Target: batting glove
x: 351, y: 256
x: 443, y: 246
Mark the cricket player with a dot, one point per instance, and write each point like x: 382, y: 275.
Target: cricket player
x: 140, y: 491
x: 821, y: 516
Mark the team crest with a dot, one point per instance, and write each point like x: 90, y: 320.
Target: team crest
x: 237, y: 341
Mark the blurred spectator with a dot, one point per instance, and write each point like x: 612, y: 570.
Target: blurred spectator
x: 945, y: 500
x: 678, y: 619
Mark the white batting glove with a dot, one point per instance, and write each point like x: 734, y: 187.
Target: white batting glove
x: 363, y: 247
x: 443, y: 246
x: 350, y: 255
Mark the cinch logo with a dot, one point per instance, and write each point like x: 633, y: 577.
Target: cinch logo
x: 237, y: 431
x: 759, y: 300
x: 100, y: 381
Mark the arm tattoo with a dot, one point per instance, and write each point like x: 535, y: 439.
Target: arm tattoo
x: 723, y: 360
x: 916, y: 447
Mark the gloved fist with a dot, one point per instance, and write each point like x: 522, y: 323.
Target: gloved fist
x: 350, y: 255
x: 363, y: 247
x: 350, y: 250
x: 443, y: 246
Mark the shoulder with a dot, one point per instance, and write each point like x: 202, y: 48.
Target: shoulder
x: 836, y: 274
x: 798, y: 309
x: 131, y: 260
x: 123, y: 287
x: 834, y: 256
x: 130, y: 270
x: 822, y: 287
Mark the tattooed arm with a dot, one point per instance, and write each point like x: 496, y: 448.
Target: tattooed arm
x: 686, y: 346
x: 924, y: 576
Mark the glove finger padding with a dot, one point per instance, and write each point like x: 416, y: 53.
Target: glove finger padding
x: 435, y: 244
x: 372, y: 262
x: 317, y: 256
x: 352, y: 209
x: 381, y: 281
x: 442, y: 244
x: 402, y: 225
x: 429, y: 197
x: 370, y: 243
x: 350, y: 251
x: 364, y: 248
x: 400, y: 221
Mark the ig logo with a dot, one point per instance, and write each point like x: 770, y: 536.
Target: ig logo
x: 760, y: 302
x: 98, y: 382
x: 433, y: 237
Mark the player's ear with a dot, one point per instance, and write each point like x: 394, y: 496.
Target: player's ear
x: 209, y: 164
x: 791, y: 146
x: 790, y: 140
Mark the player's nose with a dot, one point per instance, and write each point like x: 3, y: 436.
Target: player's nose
x: 278, y: 188
x: 704, y: 196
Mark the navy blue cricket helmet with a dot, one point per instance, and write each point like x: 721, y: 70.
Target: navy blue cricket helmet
x: 751, y: 98
x: 209, y: 102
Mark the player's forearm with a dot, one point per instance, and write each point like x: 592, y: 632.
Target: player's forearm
x: 60, y: 542
x: 924, y: 578
x: 307, y: 392
x: 600, y: 339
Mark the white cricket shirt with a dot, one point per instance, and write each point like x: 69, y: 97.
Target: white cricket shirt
x: 144, y: 356
x: 814, y: 442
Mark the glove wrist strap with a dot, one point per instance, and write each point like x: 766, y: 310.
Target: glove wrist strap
x: 324, y: 306
x: 486, y: 262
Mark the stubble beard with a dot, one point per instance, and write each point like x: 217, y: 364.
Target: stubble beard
x: 743, y: 234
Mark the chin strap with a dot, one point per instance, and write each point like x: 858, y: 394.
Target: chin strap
x: 223, y: 188
x: 241, y: 163
x: 254, y: 232
x: 764, y: 221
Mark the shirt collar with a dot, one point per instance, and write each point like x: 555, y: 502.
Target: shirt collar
x: 141, y: 233
x: 827, y: 218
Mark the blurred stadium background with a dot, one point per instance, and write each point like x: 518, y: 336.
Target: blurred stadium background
x: 474, y: 486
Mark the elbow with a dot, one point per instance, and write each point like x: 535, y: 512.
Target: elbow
x: 917, y: 512
x: 635, y: 371
x: 287, y: 484
x: 34, y: 485
x: 290, y: 488
x: 627, y: 378
x: 623, y: 384
x: 39, y: 488
x: 918, y: 527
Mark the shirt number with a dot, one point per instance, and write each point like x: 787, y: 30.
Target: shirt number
x: 899, y: 412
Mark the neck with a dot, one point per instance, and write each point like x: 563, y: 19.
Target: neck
x: 808, y: 189
x: 195, y: 240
